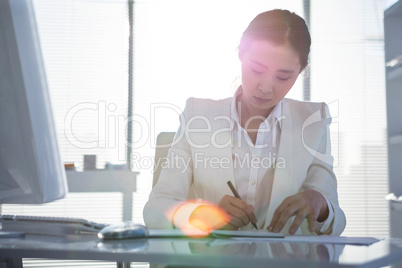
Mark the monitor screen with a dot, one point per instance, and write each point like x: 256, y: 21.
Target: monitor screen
x: 31, y: 170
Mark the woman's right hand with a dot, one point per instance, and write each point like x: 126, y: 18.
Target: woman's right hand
x: 240, y: 212
x: 231, y: 213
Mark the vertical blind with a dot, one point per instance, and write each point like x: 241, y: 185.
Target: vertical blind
x: 347, y: 68
x: 85, y: 47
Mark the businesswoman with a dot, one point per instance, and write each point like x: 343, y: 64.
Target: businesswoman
x: 275, y: 151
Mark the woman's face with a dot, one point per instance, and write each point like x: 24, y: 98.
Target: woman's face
x: 268, y: 73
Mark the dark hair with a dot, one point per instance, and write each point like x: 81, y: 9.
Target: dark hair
x: 280, y: 27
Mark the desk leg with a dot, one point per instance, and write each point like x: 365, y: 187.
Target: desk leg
x: 11, y: 263
x: 123, y: 265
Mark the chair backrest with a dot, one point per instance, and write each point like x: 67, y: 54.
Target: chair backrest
x: 163, y: 143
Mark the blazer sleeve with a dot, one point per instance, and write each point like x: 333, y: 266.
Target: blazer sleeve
x: 321, y: 177
x: 172, y: 189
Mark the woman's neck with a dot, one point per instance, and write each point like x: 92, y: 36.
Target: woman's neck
x: 249, y: 115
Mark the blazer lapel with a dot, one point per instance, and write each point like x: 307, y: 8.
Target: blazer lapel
x: 218, y: 156
x: 226, y: 173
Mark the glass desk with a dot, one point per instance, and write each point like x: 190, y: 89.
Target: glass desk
x: 201, y: 252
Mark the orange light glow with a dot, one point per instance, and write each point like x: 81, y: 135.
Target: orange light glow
x: 205, y: 218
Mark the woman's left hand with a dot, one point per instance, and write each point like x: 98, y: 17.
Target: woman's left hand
x: 308, y: 204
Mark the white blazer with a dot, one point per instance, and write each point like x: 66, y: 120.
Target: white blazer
x: 201, y: 158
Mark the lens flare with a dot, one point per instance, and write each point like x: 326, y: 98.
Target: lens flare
x: 203, y: 219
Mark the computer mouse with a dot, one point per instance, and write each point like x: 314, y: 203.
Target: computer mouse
x: 124, y: 230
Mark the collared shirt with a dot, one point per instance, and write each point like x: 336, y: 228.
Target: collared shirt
x: 254, y: 163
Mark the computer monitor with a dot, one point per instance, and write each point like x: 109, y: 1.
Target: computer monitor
x: 31, y: 170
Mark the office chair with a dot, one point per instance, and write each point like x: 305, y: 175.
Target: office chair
x: 163, y: 143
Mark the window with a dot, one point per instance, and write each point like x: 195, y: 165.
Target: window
x: 348, y: 73
x: 85, y: 47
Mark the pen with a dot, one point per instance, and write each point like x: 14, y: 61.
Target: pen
x: 236, y: 194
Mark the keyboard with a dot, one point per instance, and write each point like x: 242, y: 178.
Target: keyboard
x: 48, y: 225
